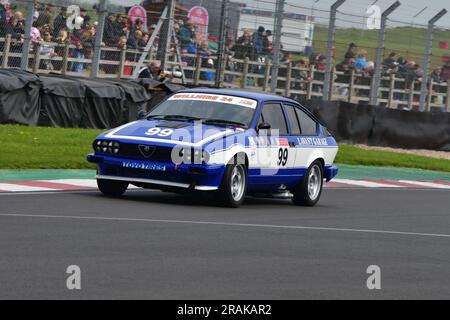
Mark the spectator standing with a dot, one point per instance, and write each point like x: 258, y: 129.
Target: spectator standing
x: 36, y: 38
x: 20, y: 23
x: 137, y: 25
x: 119, y: 27
x: 47, y: 50
x: 390, y: 62
x: 445, y: 73
x: 60, y: 22
x: 361, y: 63
x: 45, y: 17
x: 436, y: 75
x: 88, y: 40
x: 77, y: 52
x: 3, y: 21
x: 301, y: 76
x: 267, y: 44
x: 187, y: 36
x: 258, y: 43
x: 243, y: 47
x: 350, y: 53
x: 207, y: 62
x: 108, y: 33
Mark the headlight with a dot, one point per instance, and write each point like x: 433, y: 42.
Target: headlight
x: 106, y: 146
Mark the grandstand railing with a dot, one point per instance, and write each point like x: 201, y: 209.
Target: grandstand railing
x: 297, y: 82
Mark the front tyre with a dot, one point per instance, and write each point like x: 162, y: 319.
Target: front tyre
x: 234, y: 185
x: 112, y: 188
x: 308, y: 192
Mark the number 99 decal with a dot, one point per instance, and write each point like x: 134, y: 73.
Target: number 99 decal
x: 159, y: 132
x: 283, y: 154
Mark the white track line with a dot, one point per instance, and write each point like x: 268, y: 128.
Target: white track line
x: 367, y: 184
x: 427, y: 184
x: 20, y: 188
x: 60, y: 192
x: 230, y: 224
x: 89, y: 183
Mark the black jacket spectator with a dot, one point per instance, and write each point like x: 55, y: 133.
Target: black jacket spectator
x: 243, y: 46
x: 2, y: 21
x: 60, y: 22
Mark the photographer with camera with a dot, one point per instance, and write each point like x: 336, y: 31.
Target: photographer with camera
x: 154, y: 72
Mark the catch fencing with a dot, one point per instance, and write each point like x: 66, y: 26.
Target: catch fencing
x: 400, y: 57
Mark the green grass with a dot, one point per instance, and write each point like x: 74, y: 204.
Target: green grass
x: 56, y: 148
x: 45, y: 148
x: 408, y: 42
x: 349, y: 154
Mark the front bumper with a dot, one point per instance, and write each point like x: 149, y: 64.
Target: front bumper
x: 139, y: 172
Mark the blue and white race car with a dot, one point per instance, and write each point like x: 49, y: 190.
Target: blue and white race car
x: 230, y: 143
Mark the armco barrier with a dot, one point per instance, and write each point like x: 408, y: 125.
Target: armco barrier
x: 383, y: 127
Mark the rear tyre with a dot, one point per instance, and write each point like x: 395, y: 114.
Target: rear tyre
x: 308, y: 192
x: 233, y: 189
x: 112, y: 188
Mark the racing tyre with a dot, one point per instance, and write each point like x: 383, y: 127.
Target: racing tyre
x: 112, y: 188
x: 309, y: 190
x: 234, y: 185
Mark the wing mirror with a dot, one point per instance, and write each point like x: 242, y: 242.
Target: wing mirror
x: 141, y: 115
x: 264, y: 126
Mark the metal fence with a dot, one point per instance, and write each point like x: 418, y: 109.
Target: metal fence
x: 383, y: 53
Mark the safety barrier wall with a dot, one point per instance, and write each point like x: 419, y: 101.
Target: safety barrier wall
x: 382, y: 126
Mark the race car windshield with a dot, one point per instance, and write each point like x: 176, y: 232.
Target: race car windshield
x: 211, y: 108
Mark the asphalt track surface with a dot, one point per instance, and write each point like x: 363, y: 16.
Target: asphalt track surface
x: 155, y: 245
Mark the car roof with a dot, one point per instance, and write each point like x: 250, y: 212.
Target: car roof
x: 260, y: 97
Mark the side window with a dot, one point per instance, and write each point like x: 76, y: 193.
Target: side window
x: 307, y: 125
x: 273, y: 114
x: 293, y: 120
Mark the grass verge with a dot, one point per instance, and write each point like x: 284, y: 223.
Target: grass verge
x: 349, y: 154
x: 24, y: 147
x: 45, y: 148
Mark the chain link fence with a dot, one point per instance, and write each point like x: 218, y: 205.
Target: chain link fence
x: 233, y: 44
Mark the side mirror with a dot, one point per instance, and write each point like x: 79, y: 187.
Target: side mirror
x: 141, y: 115
x: 264, y: 126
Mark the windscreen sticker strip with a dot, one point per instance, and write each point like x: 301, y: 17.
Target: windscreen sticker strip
x: 243, y: 102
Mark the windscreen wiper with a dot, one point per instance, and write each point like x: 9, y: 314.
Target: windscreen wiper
x: 224, y: 122
x: 173, y: 117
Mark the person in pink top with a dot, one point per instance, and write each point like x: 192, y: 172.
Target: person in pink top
x: 36, y: 38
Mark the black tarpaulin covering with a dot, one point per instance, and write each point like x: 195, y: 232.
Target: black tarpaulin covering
x: 19, y: 97
x: 62, y: 101
x: 383, y: 127
x: 78, y: 102
x: 104, y: 105
x: 137, y: 98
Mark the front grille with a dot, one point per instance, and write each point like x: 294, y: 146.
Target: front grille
x: 138, y: 151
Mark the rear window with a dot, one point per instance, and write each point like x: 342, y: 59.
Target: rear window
x: 293, y: 120
x: 308, y: 126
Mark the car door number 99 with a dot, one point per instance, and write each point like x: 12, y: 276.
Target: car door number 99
x: 283, y: 154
